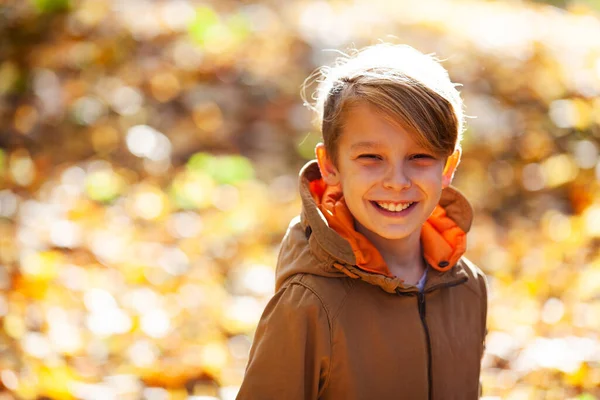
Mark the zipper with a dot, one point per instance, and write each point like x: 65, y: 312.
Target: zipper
x: 422, y: 314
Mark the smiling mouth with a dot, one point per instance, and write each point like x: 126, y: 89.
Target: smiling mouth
x: 393, y: 207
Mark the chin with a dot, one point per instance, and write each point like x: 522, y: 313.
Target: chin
x: 391, y: 234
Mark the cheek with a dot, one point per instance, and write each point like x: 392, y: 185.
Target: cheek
x: 431, y: 175
x: 368, y: 174
x: 360, y: 180
x: 355, y: 189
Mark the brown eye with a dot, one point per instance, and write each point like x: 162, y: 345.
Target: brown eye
x: 422, y: 156
x: 370, y: 156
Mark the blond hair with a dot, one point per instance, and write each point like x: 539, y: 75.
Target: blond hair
x: 407, y: 86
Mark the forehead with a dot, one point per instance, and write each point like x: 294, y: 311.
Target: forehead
x: 366, y: 128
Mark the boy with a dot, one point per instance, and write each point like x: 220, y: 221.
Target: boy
x: 373, y: 297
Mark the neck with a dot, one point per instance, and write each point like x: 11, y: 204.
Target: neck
x: 404, y: 257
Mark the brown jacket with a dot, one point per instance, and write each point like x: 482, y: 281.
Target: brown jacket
x: 334, y: 331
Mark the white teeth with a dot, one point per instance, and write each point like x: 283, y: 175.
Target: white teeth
x: 394, y: 207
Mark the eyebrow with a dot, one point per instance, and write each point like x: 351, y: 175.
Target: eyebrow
x: 365, y: 146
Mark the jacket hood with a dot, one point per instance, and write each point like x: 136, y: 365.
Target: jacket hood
x: 311, y: 246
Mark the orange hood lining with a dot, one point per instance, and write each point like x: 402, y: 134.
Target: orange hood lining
x: 443, y: 241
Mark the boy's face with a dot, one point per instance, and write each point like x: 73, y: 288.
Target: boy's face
x: 390, y: 183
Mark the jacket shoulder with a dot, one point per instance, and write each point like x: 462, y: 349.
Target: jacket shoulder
x: 477, y: 279
x: 331, y: 291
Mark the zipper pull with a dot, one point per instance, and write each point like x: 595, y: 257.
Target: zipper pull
x: 421, y: 298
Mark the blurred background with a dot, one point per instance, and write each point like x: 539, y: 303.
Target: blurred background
x: 149, y: 153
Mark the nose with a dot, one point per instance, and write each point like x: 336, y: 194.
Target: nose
x: 396, y: 177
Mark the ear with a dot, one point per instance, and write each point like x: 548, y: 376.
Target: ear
x: 328, y: 170
x: 451, y: 164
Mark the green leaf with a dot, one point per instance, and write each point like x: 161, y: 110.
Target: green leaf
x: 306, y: 146
x: 586, y: 396
x: 50, y: 6
x: 239, y: 27
x: 206, y: 18
x: 104, y: 185
x: 222, y: 169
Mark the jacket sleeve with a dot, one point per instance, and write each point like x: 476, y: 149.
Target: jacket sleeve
x: 290, y: 355
x: 484, y: 289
